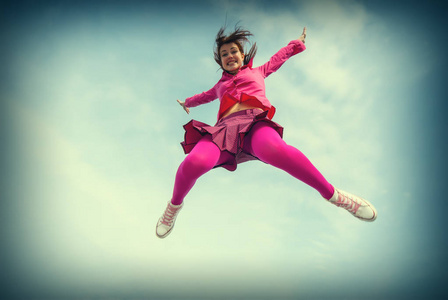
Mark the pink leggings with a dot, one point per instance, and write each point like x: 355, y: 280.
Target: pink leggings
x: 263, y: 142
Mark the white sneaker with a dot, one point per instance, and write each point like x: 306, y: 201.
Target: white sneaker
x: 166, y: 222
x: 360, y: 208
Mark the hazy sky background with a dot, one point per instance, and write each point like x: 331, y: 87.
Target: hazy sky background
x: 90, y: 146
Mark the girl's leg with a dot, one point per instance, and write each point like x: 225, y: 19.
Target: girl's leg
x: 199, y: 161
x: 204, y: 156
x: 266, y: 144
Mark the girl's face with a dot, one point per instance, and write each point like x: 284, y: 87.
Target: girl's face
x: 231, y: 57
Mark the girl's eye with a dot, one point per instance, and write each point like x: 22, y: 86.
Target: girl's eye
x: 224, y: 55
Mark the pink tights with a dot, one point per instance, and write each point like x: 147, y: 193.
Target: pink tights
x: 263, y: 142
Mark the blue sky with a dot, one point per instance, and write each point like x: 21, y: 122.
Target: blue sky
x: 90, y: 146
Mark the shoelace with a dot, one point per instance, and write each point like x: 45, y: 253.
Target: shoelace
x: 347, y: 202
x: 168, y: 216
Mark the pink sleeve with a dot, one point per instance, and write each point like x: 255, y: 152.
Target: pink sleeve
x: 279, y: 58
x: 202, y: 98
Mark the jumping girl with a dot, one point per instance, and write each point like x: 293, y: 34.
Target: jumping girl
x: 245, y: 131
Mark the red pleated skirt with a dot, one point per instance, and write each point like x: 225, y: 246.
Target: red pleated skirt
x: 228, y: 134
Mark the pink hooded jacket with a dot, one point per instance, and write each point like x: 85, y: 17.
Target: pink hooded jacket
x: 247, y: 84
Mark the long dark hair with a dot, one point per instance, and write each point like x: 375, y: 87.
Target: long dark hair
x: 239, y: 36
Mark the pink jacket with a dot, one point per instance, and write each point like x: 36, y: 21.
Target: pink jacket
x: 248, y: 83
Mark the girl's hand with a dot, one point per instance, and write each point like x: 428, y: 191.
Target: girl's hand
x: 303, y: 36
x: 183, y: 105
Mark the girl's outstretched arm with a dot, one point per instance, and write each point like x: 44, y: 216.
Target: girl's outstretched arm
x: 294, y: 47
x: 183, y: 105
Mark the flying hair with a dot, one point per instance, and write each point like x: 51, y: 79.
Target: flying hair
x: 240, y: 37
